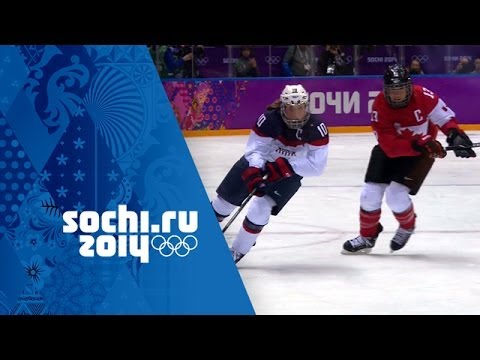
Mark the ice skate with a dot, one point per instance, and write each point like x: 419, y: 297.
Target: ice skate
x: 400, y: 238
x: 361, y: 244
x: 236, y: 255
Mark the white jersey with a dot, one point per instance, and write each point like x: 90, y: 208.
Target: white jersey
x: 306, y: 149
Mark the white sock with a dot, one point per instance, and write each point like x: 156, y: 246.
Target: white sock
x: 222, y: 206
x: 244, y: 241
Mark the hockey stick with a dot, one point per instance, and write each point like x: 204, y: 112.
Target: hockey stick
x: 461, y: 147
x: 242, y: 205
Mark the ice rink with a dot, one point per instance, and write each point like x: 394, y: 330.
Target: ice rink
x: 296, y: 266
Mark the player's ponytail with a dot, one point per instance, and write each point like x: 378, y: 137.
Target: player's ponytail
x: 275, y: 105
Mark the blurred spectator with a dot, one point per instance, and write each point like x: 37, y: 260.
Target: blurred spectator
x: 366, y: 49
x: 415, y: 67
x: 162, y: 67
x: 179, y: 60
x: 332, y: 61
x: 152, y: 51
x: 299, y: 60
x: 477, y: 66
x: 463, y: 66
x: 157, y: 52
x: 246, y: 65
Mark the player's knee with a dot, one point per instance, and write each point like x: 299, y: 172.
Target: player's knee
x: 222, y: 208
x: 371, y: 196
x: 397, y: 197
x: 260, y: 210
x: 251, y: 227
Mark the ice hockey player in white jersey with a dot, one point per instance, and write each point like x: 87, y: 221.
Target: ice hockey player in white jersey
x: 286, y: 144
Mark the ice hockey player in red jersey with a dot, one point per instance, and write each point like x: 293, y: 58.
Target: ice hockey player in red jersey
x: 405, y: 120
x: 286, y: 144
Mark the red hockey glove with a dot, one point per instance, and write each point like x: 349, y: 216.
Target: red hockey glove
x: 278, y: 169
x: 252, y: 177
x: 430, y: 146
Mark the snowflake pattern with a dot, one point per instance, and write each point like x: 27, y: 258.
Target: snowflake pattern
x: 89, y: 174
x: 37, y: 271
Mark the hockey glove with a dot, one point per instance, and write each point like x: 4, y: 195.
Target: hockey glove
x: 252, y: 177
x: 278, y: 169
x: 459, y: 138
x: 428, y: 145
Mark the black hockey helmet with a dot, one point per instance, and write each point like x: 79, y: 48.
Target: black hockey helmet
x: 397, y: 77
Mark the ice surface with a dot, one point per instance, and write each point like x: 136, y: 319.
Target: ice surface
x: 296, y: 266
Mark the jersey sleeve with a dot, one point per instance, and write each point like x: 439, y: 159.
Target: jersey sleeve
x: 388, y: 139
x: 268, y: 125
x: 313, y: 164
x: 428, y: 98
x: 315, y: 161
x: 438, y: 112
x: 260, y: 140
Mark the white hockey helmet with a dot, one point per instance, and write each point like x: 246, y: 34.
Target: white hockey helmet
x: 295, y: 95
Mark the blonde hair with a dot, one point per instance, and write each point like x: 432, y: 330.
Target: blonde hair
x: 275, y: 105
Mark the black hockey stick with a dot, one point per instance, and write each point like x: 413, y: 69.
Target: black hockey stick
x: 242, y: 205
x: 461, y: 147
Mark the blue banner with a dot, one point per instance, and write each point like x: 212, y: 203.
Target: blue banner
x: 102, y: 210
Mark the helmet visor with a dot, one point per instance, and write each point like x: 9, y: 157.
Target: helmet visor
x: 295, y: 116
x: 398, y: 95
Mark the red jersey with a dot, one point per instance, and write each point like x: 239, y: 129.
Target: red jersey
x: 397, y: 128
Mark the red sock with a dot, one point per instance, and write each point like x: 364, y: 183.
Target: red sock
x: 368, y: 222
x: 406, y: 219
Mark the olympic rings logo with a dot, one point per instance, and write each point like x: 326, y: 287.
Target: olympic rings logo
x: 272, y: 59
x: 173, y: 244
x: 203, y: 61
x: 422, y: 59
